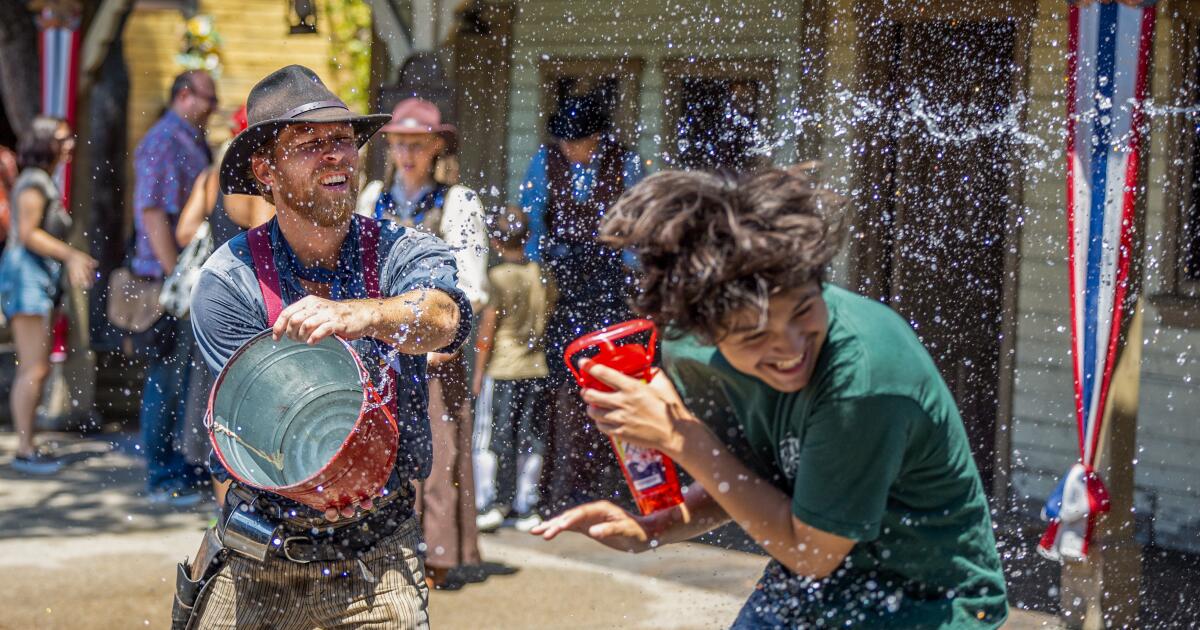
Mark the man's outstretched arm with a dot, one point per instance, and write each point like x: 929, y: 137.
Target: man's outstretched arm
x: 419, y: 321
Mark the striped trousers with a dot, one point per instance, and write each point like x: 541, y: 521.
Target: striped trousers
x: 384, y: 588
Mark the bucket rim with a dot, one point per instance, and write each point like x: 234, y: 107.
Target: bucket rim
x: 371, y: 400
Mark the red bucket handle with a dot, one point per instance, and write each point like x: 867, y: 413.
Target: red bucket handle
x: 606, y: 339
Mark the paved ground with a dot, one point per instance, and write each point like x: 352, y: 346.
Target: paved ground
x: 83, y: 551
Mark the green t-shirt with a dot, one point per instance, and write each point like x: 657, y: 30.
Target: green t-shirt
x: 873, y: 449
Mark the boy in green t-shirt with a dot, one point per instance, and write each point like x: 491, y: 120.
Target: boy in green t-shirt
x: 809, y: 415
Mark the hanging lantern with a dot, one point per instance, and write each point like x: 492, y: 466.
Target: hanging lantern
x: 302, y: 15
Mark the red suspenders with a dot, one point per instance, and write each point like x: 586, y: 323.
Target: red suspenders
x: 268, y: 276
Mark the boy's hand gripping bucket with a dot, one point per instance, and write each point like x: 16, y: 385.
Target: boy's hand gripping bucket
x: 302, y: 421
x: 650, y: 474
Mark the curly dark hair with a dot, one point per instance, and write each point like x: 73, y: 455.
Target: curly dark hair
x: 713, y: 244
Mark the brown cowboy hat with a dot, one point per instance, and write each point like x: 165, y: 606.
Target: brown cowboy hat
x: 290, y: 95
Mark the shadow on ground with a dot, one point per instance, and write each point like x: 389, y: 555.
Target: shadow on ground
x: 101, y: 490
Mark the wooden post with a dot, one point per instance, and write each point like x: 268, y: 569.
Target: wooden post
x: 482, y: 66
x: 1102, y: 591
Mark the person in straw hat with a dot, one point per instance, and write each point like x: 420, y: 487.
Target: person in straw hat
x: 360, y: 565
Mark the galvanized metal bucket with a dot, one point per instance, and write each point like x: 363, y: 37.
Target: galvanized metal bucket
x: 302, y: 421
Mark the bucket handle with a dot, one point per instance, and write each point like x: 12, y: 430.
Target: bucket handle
x: 377, y: 400
x: 607, y: 337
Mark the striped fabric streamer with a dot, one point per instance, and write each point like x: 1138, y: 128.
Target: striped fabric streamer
x: 1107, y: 78
x: 59, y: 51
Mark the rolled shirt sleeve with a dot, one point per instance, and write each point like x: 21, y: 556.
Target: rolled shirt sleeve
x: 153, y: 185
x: 425, y: 262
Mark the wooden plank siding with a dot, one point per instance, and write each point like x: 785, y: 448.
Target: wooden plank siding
x: 1167, y: 470
x: 255, y: 43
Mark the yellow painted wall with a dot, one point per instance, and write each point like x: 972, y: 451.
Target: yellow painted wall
x: 255, y: 42
x: 151, y: 40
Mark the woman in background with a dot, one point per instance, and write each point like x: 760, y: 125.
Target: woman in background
x: 31, y: 269
x: 420, y: 191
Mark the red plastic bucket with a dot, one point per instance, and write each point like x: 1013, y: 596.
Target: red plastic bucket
x: 305, y: 422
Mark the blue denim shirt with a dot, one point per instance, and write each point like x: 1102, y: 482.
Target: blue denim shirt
x: 535, y: 191
x: 228, y: 309
x: 166, y: 164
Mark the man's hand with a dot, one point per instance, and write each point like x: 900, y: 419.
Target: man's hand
x: 603, y: 522
x: 313, y: 318
x: 333, y: 515
x: 650, y: 415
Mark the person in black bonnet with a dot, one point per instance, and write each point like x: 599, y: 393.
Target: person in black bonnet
x: 570, y: 184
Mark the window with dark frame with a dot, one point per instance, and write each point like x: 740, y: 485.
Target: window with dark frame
x: 618, y: 79
x: 719, y: 125
x: 716, y: 112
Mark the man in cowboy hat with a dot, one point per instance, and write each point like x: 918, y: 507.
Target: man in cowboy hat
x: 359, y: 566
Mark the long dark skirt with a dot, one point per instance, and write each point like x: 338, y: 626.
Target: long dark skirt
x: 580, y: 465
x: 446, y: 500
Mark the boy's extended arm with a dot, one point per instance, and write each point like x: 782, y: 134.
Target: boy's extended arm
x: 698, y: 514
x: 759, y: 507
x: 652, y: 415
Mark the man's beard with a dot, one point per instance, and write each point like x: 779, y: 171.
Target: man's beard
x: 324, y: 210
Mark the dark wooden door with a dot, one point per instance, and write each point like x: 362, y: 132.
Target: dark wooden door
x: 943, y: 189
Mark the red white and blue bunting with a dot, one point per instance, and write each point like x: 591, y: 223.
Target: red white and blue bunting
x: 1108, y: 66
x: 58, y: 49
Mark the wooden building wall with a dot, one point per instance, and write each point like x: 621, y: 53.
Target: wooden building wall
x: 1167, y: 472
x: 255, y: 42
x: 652, y: 34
